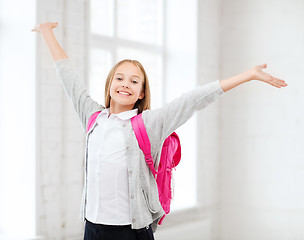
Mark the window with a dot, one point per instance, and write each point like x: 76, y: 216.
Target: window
x: 156, y: 33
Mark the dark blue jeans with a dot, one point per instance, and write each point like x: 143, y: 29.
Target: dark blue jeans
x: 109, y: 232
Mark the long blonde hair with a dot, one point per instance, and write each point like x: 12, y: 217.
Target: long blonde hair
x: 141, y: 104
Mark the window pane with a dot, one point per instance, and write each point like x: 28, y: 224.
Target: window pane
x: 102, y: 17
x: 140, y: 20
x: 181, y: 76
x: 152, y: 65
x: 184, y: 178
x: 100, y: 65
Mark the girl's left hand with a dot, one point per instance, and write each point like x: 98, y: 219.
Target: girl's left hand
x: 257, y: 73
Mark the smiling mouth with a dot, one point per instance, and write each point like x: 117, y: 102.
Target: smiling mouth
x: 123, y: 93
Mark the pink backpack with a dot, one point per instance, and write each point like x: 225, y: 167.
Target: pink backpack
x: 169, y: 159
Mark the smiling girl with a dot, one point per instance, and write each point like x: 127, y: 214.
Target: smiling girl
x: 128, y: 86
x: 120, y: 197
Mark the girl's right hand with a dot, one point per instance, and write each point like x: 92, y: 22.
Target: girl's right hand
x: 46, y: 25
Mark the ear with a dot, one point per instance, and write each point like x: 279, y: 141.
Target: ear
x: 142, y: 95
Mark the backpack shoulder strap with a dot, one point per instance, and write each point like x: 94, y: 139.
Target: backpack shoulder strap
x: 92, y: 119
x: 143, y: 140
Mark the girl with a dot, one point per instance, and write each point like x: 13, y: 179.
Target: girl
x: 120, y: 197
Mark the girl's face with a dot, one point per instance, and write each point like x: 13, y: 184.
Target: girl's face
x: 126, y: 87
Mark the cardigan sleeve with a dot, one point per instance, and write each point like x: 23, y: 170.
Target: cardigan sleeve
x: 83, y: 104
x: 161, y: 122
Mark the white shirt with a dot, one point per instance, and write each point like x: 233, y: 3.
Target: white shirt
x: 108, y: 189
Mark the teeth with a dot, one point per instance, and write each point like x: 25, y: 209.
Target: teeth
x: 124, y: 93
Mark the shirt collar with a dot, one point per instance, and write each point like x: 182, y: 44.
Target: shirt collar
x: 123, y: 115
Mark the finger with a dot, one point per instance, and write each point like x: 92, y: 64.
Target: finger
x: 275, y: 84
x: 281, y: 82
x: 277, y: 79
x: 278, y: 82
x: 264, y: 65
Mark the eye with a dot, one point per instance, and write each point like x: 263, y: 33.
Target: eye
x: 134, y: 82
x: 119, y: 79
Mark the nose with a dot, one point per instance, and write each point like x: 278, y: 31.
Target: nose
x: 125, y: 84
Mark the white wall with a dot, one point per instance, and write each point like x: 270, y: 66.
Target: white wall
x: 208, y: 119
x: 17, y: 119
x: 261, y: 128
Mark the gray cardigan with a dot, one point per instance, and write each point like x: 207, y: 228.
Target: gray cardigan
x: 145, y: 207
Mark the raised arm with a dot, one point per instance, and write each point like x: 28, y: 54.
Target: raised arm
x: 46, y: 30
x: 161, y: 122
x: 75, y: 89
x: 255, y: 73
